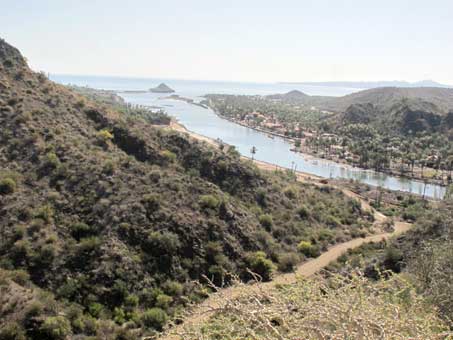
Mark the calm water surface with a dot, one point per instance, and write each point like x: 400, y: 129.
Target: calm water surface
x: 276, y: 151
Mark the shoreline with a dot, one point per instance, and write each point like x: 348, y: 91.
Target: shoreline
x: 422, y: 180
x: 301, y: 175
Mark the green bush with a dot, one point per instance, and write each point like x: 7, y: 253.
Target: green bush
x: 81, y: 230
x: 172, y: 288
x: 95, y: 309
x: 303, y: 212
x: 56, y: 327
x: 168, y: 156
x: 12, y: 331
x: 160, y: 243
x: 308, y: 249
x: 7, y: 186
x: 163, y: 301
x: 45, y: 212
x: 104, y: 136
x: 51, y: 160
x: 209, y: 202
x: 259, y: 264
x: 287, y: 262
x: 290, y: 192
x: 151, y: 202
x: 266, y: 221
x: 109, y: 167
x: 154, y: 318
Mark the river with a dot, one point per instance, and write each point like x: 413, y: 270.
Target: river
x: 276, y: 151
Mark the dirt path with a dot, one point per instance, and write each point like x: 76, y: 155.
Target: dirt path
x: 220, y: 299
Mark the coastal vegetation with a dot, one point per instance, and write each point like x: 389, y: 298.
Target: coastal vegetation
x: 406, y: 132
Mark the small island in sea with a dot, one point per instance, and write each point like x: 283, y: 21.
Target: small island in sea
x: 162, y: 88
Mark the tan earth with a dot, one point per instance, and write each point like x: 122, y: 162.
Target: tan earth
x: 201, y: 312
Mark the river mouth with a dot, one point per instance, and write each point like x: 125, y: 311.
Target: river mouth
x: 275, y: 150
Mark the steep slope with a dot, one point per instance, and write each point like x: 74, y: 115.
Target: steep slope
x: 106, y: 220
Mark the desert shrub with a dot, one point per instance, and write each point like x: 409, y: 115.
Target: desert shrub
x: 172, y: 288
x: 261, y: 197
x: 290, y: 192
x: 20, y: 276
x: 337, y: 308
x: 151, y: 202
x: 20, y: 252
x: 259, y: 264
x: 81, y: 230
x: 95, y: 309
x: 308, y: 249
x: 209, y: 202
x: 266, y: 221
x: 104, y: 136
x: 148, y: 296
x: 154, y: 318
x: 51, y: 160
x: 86, y: 250
x: 36, y: 225
x: 45, y: 213
x: 287, y: 262
x: 168, y: 156
x: 131, y: 301
x: 12, y: 331
x: 119, y: 316
x: 109, y: 167
x: 303, y: 212
x: 433, y: 268
x: 56, y: 327
x: 392, y: 259
x: 160, y: 243
x: 7, y: 186
x: 155, y: 176
x: 326, y: 235
x: 163, y: 301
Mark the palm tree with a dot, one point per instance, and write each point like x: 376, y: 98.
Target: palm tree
x: 253, y: 151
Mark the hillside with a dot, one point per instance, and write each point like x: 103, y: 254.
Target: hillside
x: 107, y: 220
x: 385, y: 97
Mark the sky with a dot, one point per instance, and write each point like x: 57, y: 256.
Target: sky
x: 247, y: 40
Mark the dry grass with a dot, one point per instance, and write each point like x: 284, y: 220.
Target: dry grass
x: 337, y: 308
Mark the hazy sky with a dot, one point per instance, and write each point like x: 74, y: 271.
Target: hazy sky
x: 256, y: 40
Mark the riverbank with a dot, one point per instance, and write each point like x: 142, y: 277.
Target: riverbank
x: 175, y: 125
x: 352, y: 189
x: 424, y: 176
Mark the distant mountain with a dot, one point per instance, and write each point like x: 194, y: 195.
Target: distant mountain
x: 402, y: 110
x: 373, y: 84
x: 294, y: 95
x: 385, y: 97
x: 382, y: 98
x: 162, y: 88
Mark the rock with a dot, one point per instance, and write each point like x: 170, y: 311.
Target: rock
x: 162, y: 88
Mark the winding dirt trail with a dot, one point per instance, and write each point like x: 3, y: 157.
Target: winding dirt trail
x: 220, y: 299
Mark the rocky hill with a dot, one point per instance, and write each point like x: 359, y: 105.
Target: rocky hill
x: 162, y: 88
x: 106, y: 220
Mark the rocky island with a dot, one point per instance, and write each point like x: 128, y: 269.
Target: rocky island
x: 162, y: 88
